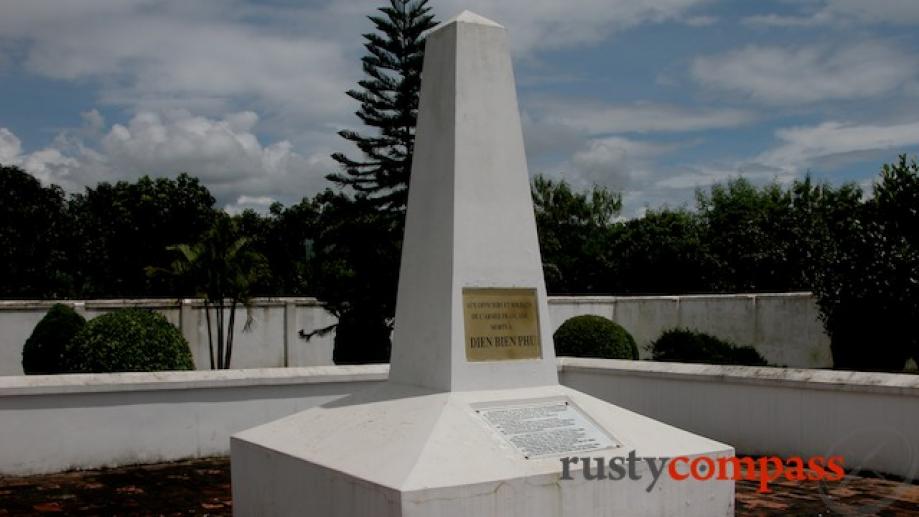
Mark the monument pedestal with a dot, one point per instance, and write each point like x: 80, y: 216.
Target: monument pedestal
x: 472, y: 422
x: 406, y: 451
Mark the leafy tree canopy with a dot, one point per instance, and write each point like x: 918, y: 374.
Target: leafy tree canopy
x: 34, y: 233
x: 121, y: 228
x: 574, y: 229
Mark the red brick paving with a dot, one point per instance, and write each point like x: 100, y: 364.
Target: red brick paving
x: 853, y: 495
x: 202, y: 487
x: 199, y: 487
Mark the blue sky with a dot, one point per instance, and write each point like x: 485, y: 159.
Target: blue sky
x: 653, y: 98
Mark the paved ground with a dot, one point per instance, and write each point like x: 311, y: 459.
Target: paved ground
x: 202, y: 487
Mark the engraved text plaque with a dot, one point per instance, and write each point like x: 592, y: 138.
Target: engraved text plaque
x: 501, y: 324
x: 548, y: 428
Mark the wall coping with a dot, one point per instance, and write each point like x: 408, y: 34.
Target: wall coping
x: 15, y: 305
x: 793, y: 378
x: 158, y: 303
x: 676, y: 297
x: 797, y: 378
x: 18, y: 385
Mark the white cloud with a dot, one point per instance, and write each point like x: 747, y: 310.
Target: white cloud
x: 641, y: 117
x: 701, y: 176
x: 258, y: 203
x: 878, y: 11
x: 10, y: 146
x: 801, y: 146
x: 218, y: 151
x: 700, y: 21
x: 589, y: 138
x: 49, y: 165
x: 224, y: 153
x: 828, y: 145
x: 193, y: 75
x: 547, y: 24
x: 290, y: 62
x: 589, y: 135
x: 777, y: 20
x: 844, y: 12
x: 93, y: 121
x: 198, y: 55
x: 781, y: 75
x: 287, y: 61
x: 615, y: 162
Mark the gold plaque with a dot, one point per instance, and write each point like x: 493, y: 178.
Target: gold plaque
x: 501, y: 324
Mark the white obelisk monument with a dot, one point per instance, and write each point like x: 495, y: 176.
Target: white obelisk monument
x: 472, y: 421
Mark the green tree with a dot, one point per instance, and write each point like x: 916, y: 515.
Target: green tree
x: 34, y: 238
x: 222, y: 269
x: 121, y: 228
x: 769, y: 238
x: 389, y: 105
x: 662, y: 252
x: 867, y: 283
x: 357, y: 249
x: 896, y: 206
x: 356, y: 267
x: 819, y: 213
x: 284, y: 236
x: 574, y: 230
x: 747, y: 229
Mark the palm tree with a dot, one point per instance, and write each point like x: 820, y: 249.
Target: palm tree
x: 222, y: 268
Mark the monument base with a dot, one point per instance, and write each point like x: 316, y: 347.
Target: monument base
x: 400, y: 450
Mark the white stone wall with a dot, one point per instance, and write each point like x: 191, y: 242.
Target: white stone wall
x: 63, y: 422
x: 271, y: 341
x: 783, y: 327
x: 52, y: 423
x: 869, y: 418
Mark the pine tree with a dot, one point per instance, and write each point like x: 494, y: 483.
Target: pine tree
x: 356, y: 266
x: 389, y: 105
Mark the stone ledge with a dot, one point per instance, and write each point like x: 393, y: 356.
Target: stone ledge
x: 834, y: 380
x: 306, y: 301
x: 174, y: 380
x: 676, y: 297
x: 151, y: 303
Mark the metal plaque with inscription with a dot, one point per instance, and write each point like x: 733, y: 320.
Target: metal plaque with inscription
x: 547, y: 428
x: 501, y: 324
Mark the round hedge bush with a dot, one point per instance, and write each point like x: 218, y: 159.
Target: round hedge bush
x: 688, y: 346
x: 44, y: 350
x: 594, y: 336
x: 128, y: 340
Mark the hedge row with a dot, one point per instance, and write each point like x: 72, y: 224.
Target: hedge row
x: 596, y: 336
x: 126, y: 340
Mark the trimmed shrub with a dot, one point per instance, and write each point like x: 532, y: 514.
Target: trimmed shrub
x: 688, y: 346
x: 128, y: 340
x: 594, y: 336
x: 44, y: 350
